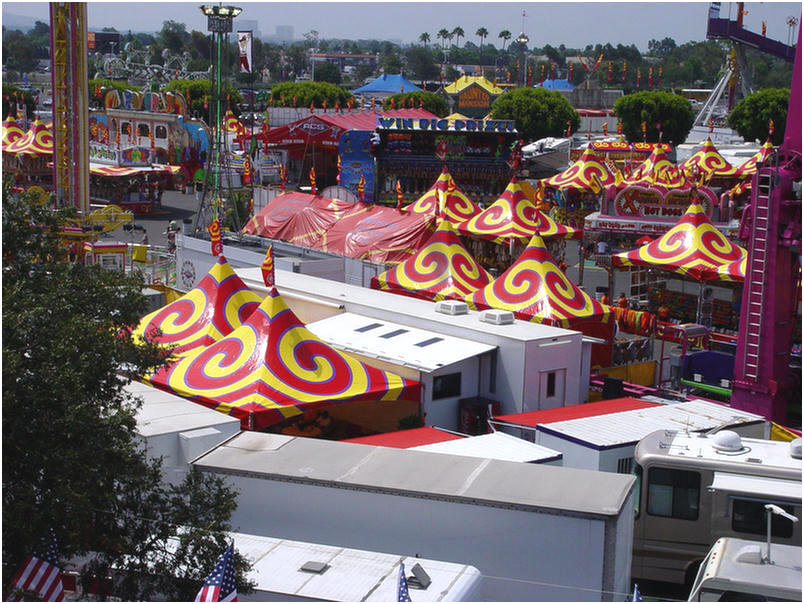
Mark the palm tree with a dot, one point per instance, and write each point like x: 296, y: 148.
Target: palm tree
x: 458, y: 33
x: 482, y: 33
x: 443, y: 34
x: 505, y: 35
x: 424, y: 39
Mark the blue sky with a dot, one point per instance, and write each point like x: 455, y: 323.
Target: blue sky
x: 574, y: 24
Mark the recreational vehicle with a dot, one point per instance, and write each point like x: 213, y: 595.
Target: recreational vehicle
x: 695, y: 488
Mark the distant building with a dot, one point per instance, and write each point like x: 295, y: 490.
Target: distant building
x: 283, y: 34
x: 248, y: 25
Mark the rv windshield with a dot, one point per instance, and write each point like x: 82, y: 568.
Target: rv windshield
x: 637, y: 489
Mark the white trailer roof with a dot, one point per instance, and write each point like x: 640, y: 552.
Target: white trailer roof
x: 496, y: 445
x: 438, y: 476
x: 165, y: 413
x: 407, y: 310
x: 628, y: 427
x: 352, y: 575
x: 377, y: 338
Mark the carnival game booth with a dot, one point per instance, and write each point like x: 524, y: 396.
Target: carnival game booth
x: 135, y: 189
x: 498, y: 234
x: 413, y: 152
x: 29, y: 155
x: 445, y: 198
x: 442, y: 269
x: 694, y: 249
x: 319, y: 141
x: 361, y: 231
x: 271, y: 372
x: 535, y: 289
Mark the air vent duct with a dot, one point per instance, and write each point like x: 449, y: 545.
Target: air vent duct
x: 727, y: 441
x: 451, y: 307
x: 497, y: 317
x: 795, y: 448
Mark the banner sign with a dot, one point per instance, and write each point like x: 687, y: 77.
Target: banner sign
x: 244, y: 40
x: 659, y: 203
x: 354, y: 149
x: 443, y: 125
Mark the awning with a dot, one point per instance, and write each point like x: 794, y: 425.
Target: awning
x: 106, y: 170
x: 756, y: 486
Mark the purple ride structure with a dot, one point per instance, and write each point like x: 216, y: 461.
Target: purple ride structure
x: 772, y: 228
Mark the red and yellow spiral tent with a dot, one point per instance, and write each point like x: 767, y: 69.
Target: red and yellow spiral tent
x: 657, y: 169
x: 442, y: 269
x: 11, y: 131
x: 749, y: 168
x: 272, y: 368
x: 210, y: 311
x: 536, y: 290
x: 588, y: 173
x: 37, y: 141
x: 708, y: 161
x: 513, y: 217
x: 692, y: 247
x: 733, y: 271
x: 444, y: 192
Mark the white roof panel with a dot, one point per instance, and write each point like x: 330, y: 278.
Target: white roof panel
x: 756, y: 485
x: 626, y: 427
x: 377, y: 338
x: 352, y: 575
x: 493, y: 446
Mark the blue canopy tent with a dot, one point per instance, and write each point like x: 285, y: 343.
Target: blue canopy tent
x: 556, y: 84
x: 388, y: 84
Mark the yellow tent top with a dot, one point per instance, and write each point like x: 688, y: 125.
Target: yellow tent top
x: 466, y: 81
x: 456, y: 116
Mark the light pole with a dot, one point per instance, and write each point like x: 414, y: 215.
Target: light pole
x: 219, y: 23
x: 523, y: 40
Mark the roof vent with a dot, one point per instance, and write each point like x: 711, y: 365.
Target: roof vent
x: 727, y: 441
x: 451, y: 307
x: 312, y: 566
x: 497, y: 317
x: 749, y: 554
x: 795, y: 448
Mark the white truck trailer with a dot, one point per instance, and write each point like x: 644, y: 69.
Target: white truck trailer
x: 535, y: 532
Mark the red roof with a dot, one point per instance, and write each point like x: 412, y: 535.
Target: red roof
x: 560, y: 414
x: 405, y: 439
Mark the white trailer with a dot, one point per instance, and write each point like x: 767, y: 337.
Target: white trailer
x: 535, y: 532
x: 295, y: 571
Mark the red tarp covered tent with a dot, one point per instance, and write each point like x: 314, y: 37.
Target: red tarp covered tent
x: 442, y: 269
x: 405, y: 439
x: 355, y: 230
x: 272, y: 368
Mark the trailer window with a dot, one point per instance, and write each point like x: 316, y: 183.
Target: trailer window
x: 161, y: 132
x: 143, y: 130
x: 446, y: 386
x: 750, y: 517
x: 637, y: 490
x: 673, y: 493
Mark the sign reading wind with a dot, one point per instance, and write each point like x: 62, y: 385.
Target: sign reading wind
x: 272, y: 368
x: 513, y: 217
x: 692, y: 247
x: 535, y: 289
x: 213, y: 309
x: 442, y: 269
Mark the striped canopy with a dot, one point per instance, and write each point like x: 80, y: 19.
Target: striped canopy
x: 513, y: 217
x: 11, y: 131
x: 37, y: 141
x: 692, y: 247
x: 536, y: 290
x: 272, y: 368
x: 709, y: 161
x: 657, y: 170
x: 749, y: 168
x: 442, y: 269
x: 210, y: 311
x: 457, y: 207
x: 733, y: 271
x: 588, y: 173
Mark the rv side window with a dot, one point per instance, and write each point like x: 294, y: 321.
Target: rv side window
x: 637, y: 490
x: 673, y: 493
x: 446, y: 386
x: 750, y: 517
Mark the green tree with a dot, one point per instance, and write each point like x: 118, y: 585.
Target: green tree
x: 173, y: 36
x: 662, y: 112
x: 307, y: 92
x: 328, y: 72
x: 505, y: 35
x: 18, y: 51
x: 458, y: 33
x: 752, y: 115
x: 72, y: 461
x: 421, y: 63
x: 537, y: 112
x: 481, y: 33
x: 424, y: 39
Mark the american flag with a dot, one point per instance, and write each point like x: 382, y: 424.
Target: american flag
x: 40, y: 574
x: 402, y: 594
x: 220, y: 584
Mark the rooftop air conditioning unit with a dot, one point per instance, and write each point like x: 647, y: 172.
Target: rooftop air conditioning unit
x: 452, y: 307
x: 497, y: 317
